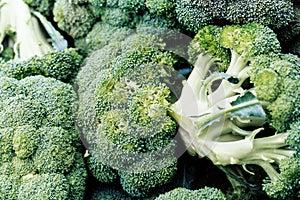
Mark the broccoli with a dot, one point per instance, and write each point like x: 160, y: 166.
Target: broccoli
x: 21, y: 31
x: 43, y: 6
x: 61, y: 65
x: 161, y: 8
x: 194, y: 15
x: 275, y: 14
x: 40, y: 148
x: 100, y: 35
x: 75, y: 18
x: 183, y: 193
x: 125, y: 125
x: 46, y: 186
x: 245, y: 118
x: 108, y: 192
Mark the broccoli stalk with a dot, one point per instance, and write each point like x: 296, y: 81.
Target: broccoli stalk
x: 24, y: 32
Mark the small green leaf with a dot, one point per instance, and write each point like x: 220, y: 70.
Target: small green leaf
x: 251, y: 108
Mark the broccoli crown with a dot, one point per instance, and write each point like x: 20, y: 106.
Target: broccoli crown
x: 102, y: 172
x: 133, y: 132
x: 76, y: 19
x: 39, y: 147
x: 21, y: 32
x: 61, y: 65
x: 267, y: 12
x: 208, y: 193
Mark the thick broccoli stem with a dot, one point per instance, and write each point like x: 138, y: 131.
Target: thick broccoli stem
x: 17, y: 22
x: 201, y: 68
x: 248, y: 150
x: 217, y: 113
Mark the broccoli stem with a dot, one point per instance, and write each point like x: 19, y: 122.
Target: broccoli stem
x: 18, y: 23
x: 237, y: 63
x: 249, y: 150
x: 269, y: 169
x: 201, y: 68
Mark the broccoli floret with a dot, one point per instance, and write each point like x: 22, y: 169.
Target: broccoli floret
x: 61, y: 65
x: 43, y: 186
x: 39, y: 145
x: 103, y: 173
x: 287, y: 34
x: 43, y: 6
x: 233, y: 122
x: 100, y: 35
x: 9, y: 187
x: 203, y: 193
x: 116, y: 17
x: 108, y: 192
x: 76, y: 19
x: 55, y: 152
x: 275, y: 14
x: 22, y: 31
x: 77, y: 178
x: 285, y: 183
x: 275, y: 81
x: 194, y: 15
x: 6, y: 144
x: 25, y: 141
x: 162, y: 7
x: 132, y: 6
x: 132, y: 132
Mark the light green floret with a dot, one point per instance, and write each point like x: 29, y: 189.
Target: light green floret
x: 75, y: 19
x: 275, y: 81
x: 207, y: 193
x: 25, y: 141
x: 55, y: 153
x: 43, y: 186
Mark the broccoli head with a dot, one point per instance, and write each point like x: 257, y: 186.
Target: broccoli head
x: 43, y: 186
x: 243, y: 114
x: 275, y: 14
x: 40, y: 147
x: 132, y: 132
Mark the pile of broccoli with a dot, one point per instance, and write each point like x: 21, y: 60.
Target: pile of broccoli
x: 149, y: 99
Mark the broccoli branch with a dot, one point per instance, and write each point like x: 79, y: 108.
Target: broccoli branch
x: 28, y: 37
